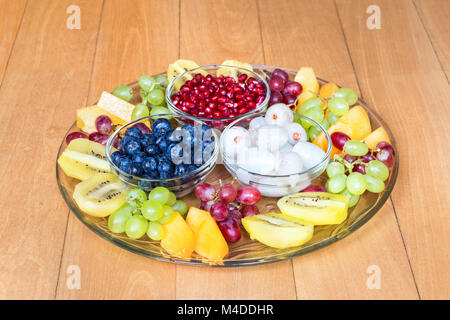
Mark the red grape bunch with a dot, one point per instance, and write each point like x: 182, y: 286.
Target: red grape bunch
x: 228, y: 206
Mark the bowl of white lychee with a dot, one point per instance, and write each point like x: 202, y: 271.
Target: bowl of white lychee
x: 271, y: 151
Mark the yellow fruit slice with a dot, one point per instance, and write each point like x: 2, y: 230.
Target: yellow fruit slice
x: 180, y: 66
x: 230, y: 72
x: 376, y: 137
x: 277, y: 230
x: 179, y: 240
x: 86, y: 118
x: 100, y: 195
x: 209, y: 241
x: 116, y: 106
x: 307, y: 78
x: 84, y: 158
x: 318, y: 208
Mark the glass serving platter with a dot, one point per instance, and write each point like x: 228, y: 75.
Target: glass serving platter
x: 246, y: 251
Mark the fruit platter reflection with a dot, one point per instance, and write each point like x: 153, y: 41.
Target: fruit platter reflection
x: 141, y: 152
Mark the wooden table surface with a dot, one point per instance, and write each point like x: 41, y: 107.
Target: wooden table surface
x: 47, y: 71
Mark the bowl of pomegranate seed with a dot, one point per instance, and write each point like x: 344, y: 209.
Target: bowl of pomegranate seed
x: 218, y: 94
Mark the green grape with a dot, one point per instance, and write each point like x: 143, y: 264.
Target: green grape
x: 136, y: 197
x: 123, y: 92
x: 338, y: 106
x: 314, y: 113
x: 337, y: 183
x: 308, y: 104
x: 168, y: 214
x: 377, y: 169
x: 374, y: 185
x: 348, y: 94
x: 332, y: 118
x: 352, y: 199
x: 160, y: 110
x: 152, y: 210
x: 136, y: 227
x: 156, y: 97
x: 159, y: 194
x: 325, y: 124
x: 181, y: 207
x: 313, y: 132
x: 140, y: 111
x: 172, y: 199
x: 146, y: 82
x: 334, y: 169
x: 355, y: 148
x: 155, y: 231
x: 356, y: 183
x: 161, y: 80
x: 118, y: 219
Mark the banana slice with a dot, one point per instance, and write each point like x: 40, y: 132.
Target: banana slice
x: 84, y: 158
x: 277, y: 230
x: 100, y: 195
x: 318, y: 208
x: 230, y: 72
x: 180, y: 66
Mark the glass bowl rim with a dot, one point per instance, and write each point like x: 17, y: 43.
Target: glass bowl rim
x: 307, y: 171
x: 259, y: 108
x: 200, y: 169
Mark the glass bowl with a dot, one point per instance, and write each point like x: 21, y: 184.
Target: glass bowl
x: 274, y: 185
x: 180, y: 185
x: 212, y: 69
x: 245, y: 252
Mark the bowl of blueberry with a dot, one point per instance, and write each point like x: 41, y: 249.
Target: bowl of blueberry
x: 161, y: 150
x: 218, y: 94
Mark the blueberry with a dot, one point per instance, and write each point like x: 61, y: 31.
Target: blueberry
x: 134, y: 132
x: 175, y: 135
x: 189, y: 128
x: 175, y: 152
x: 181, y: 170
x: 132, y: 146
x: 161, y: 126
x: 124, y: 140
x: 165, y: 175
x: 152, y: 150
x: 125, y: 164
x: 115, y: 156
x: 162, y: 143
x: 192, y: 167
x: 163, y: 157
x: 149, y: 138
x: 136, y: 169
x: 150, y: 165
x: 139, y: 157
x: 165, y: 167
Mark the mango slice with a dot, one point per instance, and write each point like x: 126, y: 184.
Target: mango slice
x: 179, y: 240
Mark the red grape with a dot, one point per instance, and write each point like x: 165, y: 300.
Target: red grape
x: 276, y: 83
x: 289, y: 99
x: 248, y: 195
x: 386, y: 154
x: 144, y: 129
x: 280, y: 73
x: 251, y: 210
x: 234, y: 213
x: 99, y: 137
x: 103, y: 124
x: 315, y: 189
x: 350, y: 158
x: 292, y: 88
x: 206, y: 205
x: 339, y: 139
x: 75, y: 135
x: 359, y: 168
x: 219, y: 211
x: 367, y: 157
x: 230, y: 230
x: 275, y: 97
x: 205, y: 192
x: 227, y: 193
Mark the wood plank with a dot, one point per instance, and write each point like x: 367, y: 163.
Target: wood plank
x: 211, y: 32
x: 136, y: 38
x: 401, y: 76
x: 10, y: 18
x: 435, y: 15
x: 308, y: 33
x: 47, y: 77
